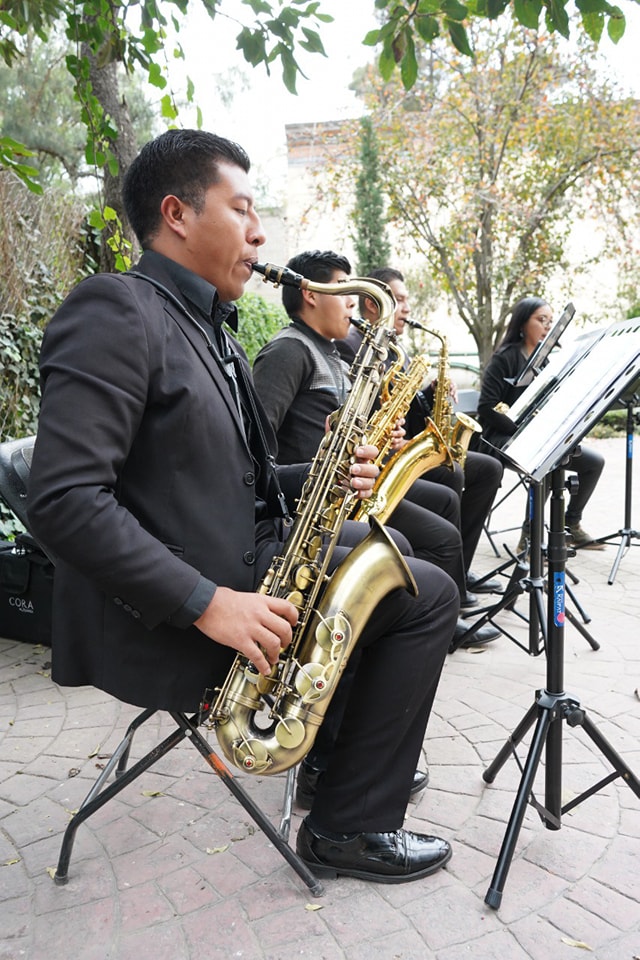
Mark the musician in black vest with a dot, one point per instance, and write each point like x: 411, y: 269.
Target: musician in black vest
x: 301, y: 380
x: 152, y: 486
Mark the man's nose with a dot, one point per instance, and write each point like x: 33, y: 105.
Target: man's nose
x: 256, y: 234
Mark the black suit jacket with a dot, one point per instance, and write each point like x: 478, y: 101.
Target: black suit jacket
x: 142, y: 481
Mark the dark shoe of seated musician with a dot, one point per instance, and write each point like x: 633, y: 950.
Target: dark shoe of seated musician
x: 477, y: 584
x: 480, y: 638
x: 396, y: 857
x: 308, y: 776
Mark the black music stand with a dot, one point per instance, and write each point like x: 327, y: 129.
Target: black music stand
x: 627, y: 533
x: 551, y: 707
x: 539, y: 448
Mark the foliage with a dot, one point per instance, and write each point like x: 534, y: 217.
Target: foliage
x: 38, y: 109
x: 42, y: 255
x: 259, y: 321
x: 405, y: 27
x: 371, y: 243
x: 488, y: 161
x: 103, y: 29
x: 102, y: 33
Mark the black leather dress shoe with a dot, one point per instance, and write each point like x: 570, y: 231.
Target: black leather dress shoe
x: 468, y: 600
x: 308, y: 776
x: 385, y: 857
x: 482, y: 636
x: 487, y: 586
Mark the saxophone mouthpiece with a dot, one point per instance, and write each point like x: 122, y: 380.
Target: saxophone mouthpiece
x: 416, y: 325
x: 279, y: 275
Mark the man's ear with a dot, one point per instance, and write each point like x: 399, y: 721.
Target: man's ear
x: 173, y: 213
x: 370, y: 308
x: 309, y: 296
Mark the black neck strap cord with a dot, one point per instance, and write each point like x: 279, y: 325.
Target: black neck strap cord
x: 234, y: 359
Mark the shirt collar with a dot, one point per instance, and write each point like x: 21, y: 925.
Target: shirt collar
x: 327, y: 345
x: 198, y: 291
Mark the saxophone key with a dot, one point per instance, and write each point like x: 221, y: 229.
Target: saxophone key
x: 290, y: 733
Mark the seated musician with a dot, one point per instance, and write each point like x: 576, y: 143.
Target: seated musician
x: 531, y: 320
x: 476, y: 485
x: 301, y: 380
x: 153, y: 486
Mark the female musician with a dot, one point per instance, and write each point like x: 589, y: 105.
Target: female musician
x: 530, y: 322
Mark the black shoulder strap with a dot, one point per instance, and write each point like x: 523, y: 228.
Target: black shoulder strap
x: 240, y: 372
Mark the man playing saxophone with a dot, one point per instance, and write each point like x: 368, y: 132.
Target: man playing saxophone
x: 153, y: 484
x: 476, y: 485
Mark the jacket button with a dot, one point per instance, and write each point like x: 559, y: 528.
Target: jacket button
x: 249, y: 557
x: 249, y: 478
x: 135, y: 614
x: 117, y: 601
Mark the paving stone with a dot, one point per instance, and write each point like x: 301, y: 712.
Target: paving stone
x: 145, y: 880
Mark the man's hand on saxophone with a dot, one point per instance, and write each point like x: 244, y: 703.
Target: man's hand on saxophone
x: 364, y: 471
x: 254, y: 624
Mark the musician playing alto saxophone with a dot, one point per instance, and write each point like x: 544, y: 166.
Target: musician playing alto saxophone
x: 477, y: 485
x: 153, y: 485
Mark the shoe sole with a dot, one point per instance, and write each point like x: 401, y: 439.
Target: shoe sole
x: 326, y: 872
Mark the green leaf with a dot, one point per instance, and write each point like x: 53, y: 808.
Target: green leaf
x: 594, y: 25
x: 495, y: 8
x: 386, y: 63
x: 459, y: 37
x: 167, y: 107
x: 428, y: 28
x: 155, y: 76
x: 557, y: 17
x: 593, y: 6
x: 96, y: 220
x: 454, y: 10
x: 528, y: 12
x: 616, y: 24
x: 409, y: 64
x: 109, y: 213
x: 314, y: 43
x: 372, y: 38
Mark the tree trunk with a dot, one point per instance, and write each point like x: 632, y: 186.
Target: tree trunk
x: 106, y: 89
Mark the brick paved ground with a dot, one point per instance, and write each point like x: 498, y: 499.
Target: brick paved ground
x: 174, y: 869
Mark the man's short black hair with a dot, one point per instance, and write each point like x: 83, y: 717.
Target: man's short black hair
x: 179, y: 162
x: 317, y: 265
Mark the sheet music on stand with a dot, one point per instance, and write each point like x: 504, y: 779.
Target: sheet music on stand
x: 583, y: 390
x: 537, y: 359
x: 558, y: 366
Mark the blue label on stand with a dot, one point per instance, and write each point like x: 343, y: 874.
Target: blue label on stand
x: 558, y: 599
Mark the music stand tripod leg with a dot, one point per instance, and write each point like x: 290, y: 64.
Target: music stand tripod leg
x: 627, y: 533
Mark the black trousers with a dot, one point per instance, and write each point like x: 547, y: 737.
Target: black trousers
x: 429, y: 517
x: 372, y: 735
x: 588, y: 465
x: 477, y: 488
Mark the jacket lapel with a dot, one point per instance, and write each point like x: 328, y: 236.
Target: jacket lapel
x: 196, y: 335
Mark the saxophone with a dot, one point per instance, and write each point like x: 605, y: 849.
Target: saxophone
x: 423, y: 452
x: 332, y: 608
x: 457, y: 434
